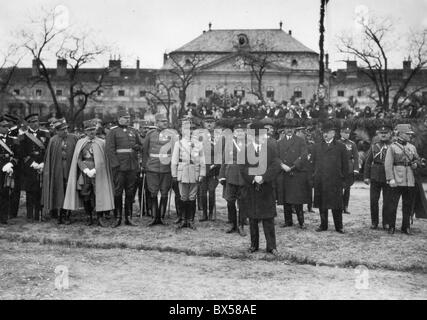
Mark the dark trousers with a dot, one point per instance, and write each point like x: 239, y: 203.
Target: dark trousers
x: 269, y: 232
x: 33, y: 199
x: 178, y: 202
x: 375, y: 192
x: 15, y: 197
x: 207, y: 187
x: 235, y: 218
x: 408, y: 194
x: 346, y: 197
x: 336, y: 214
x: 4, y: 204
x: 124, y: 181
x: 287, y: 208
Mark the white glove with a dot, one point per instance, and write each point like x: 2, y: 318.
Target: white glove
x: 7, y: 167
x: 86, y: 172
x: 258, y: 179
x: 34, y: 165
x: 93, y: 172
x: 41, y: 166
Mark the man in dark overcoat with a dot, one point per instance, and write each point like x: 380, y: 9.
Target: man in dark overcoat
x: 294, y: 186
x: 257, y: 193
x: 330, y: 162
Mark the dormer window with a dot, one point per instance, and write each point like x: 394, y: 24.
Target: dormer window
x: 242, y: 40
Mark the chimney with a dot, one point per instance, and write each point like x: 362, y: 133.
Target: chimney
x: 137, y: 69
x: 327, y: 61
x: 280, y: 25
x: 165, y: 58
x: 115, y: 67
x: 35, y: 70
x: 61, y: 67
x: 210, y: 26
x: 406, y: 68
x: 290, y: 32
x: 351, y: 69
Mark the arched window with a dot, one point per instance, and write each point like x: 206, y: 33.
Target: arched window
x: 208, y: 91
x: 270, y: 92
x: 298, y: 92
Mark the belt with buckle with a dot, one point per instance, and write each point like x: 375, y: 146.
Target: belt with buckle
x: 158, y: 155
x: 124, y: 150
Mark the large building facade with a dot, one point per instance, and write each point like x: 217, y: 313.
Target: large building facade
x: 291, y: 69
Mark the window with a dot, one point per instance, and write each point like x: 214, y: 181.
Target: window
x: 270, y: 93
x: 208, y: 92
x: 340, y: 93
x: 298, y: 93
x: 239, y: 92
x: 142, y: 93
x: 59, y: 92
x: 294, y: 63
x: 121, y: 93
x: 38, y: 92
x: 302, y: 101
x: 100, y: 93
x: 359, y: 93
x: 16, y: 92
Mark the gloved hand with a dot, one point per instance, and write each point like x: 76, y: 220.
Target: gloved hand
x: 259, y: 179
x: 86, y: 172
x: 34, y: 165
x: 8, y: 167
x: 41, y: 166
x: 93, y: 172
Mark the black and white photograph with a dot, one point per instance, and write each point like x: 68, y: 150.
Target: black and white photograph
x: 214, y: 154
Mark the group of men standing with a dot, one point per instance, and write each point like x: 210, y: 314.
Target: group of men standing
x: 63, y: 173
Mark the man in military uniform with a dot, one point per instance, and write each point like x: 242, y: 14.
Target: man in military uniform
x: 374, y: 175
x: 122, y: 145
x: 231, y: 178
x: 188, y: 168
x: 15, y: 195
x: 8, y: 161
x: 295, y: 189
x: 210, y: 181
x: 157, y: 151
x: 400, y: 162
x: 353, y: 164
x: 32, y: 148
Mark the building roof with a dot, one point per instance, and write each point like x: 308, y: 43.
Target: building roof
x: 276, y: 40
x: 395, y: 75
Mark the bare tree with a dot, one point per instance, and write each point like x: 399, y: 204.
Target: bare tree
x: 184, y: 68
x: 78, y: 51
x: 39, y: 39
x: 163, y: 93
x: 259, y: 62
x: 8, y: 65
x: 373, y: 52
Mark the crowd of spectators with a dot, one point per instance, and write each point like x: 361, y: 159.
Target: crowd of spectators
x: 302, y: 111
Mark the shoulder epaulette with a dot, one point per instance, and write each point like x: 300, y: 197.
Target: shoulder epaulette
x: 113, y: 127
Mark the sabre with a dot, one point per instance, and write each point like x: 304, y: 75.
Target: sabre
x: 169, y: 202
x: 141, y: 205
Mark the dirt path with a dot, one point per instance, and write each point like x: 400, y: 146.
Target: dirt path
x: 27, y: 272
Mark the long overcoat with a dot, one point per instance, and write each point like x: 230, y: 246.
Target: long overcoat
x: 293, y: 187
x: 330, y: 171
x: 259, y: 200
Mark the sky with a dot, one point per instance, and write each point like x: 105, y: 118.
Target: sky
x: 146, y: 29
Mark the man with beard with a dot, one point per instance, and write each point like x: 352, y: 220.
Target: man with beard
x: 32, y: 148
x: 59, y: 153
x: 90, y: 182
x: 330, y: 163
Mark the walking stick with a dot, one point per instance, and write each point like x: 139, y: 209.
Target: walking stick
x: 142, y: 203
x: 169, y: 202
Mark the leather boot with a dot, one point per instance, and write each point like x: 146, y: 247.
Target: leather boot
x: 179, y: 208
x: 155, y: 212
x: 60, y: 216
x: 163, y: 207
x: 184, y: 214
x: 191, y: 213
x: 118, y: 203
x: 204, y: 208
x: 211, y: 205
x: 88, y: 211
x: 98, y: 219
x: 67, y: 214
x: 128, y: 213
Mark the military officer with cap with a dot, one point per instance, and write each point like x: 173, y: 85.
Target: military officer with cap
x: 374, y: 175
x: 156, y: 156
x: 32, y: 148
x: 400, y: 162
x: 15, y: 195
x: 122, y: 146
x: 8, y: 162
x: 231, y: 178
x: 353, y: 164
x: 209, y: 183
